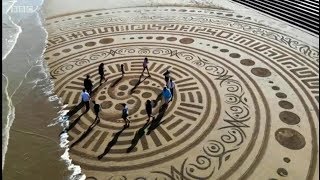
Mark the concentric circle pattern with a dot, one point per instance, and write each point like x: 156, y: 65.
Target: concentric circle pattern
x: 245, y: 102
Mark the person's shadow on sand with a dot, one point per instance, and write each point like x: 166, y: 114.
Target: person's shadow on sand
x: 138, y: 136
x: 75, y: 109
x: 159, y: 98
x: 137, y: 84
x: 72, y: 125
x: 157, y: 121
x: 116, y: 82
x: 86, y: 133
x: 153, y: 125
x: 112, y: 142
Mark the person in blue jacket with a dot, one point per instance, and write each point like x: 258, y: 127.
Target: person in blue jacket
x: 166, y: 95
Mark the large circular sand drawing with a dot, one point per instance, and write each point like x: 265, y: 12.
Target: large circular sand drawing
x: 241, y: 106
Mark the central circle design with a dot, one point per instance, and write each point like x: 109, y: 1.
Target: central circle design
x: 178, y: 128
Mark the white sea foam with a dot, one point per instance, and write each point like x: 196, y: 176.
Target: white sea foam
x: 10, y: 118
x: 47, y: 87
x: 64, y: 143
x: 11, y: 114
x: 12, y: 39
x: 7, y: 5
x: 61, y: 119
x: 44, y: 82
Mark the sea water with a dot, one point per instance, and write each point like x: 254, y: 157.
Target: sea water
x: 31, y: 146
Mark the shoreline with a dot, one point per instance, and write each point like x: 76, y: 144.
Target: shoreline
x: 23, y: 67
x: 45, y: 87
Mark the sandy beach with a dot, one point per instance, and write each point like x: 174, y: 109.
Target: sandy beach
x: 245, y: 103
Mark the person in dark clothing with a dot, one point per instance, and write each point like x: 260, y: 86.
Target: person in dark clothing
x: 122, y: 69
x: 101, y: 73
x: 149, y: 109
x: 125, y: 114
x: 96, y: 109
x: 166, y: 76
x: 88, y: 84
x: 145, y: 66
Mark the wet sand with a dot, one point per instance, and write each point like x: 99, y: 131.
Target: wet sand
x: 33, y: 150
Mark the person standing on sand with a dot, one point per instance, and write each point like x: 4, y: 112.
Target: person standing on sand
x: 122, y: 69
x: 166, y: 76
x: 145, y: 66
x: 125, y: 114
x: 171, y: 86
x: 166, y: 95
x: 85, y: 98
x: 97, y: 109
x: 149, y: 109
x: 101, y: 72
x: 88, y: 84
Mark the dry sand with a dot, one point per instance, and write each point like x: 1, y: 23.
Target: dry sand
x: 245, y: 108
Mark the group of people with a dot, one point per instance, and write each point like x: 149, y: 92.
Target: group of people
x: 167, y: 92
